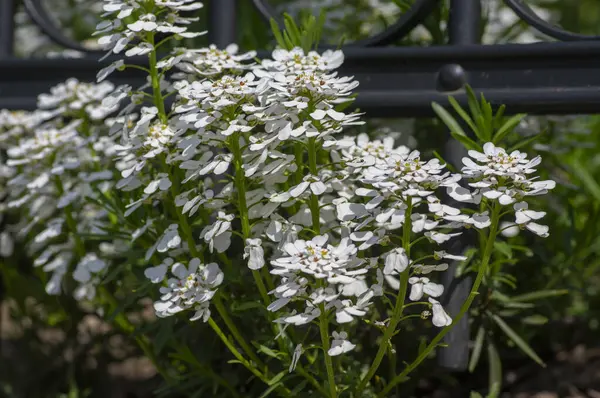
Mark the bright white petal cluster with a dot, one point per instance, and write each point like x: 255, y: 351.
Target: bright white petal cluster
x: 189, y: 287
x: 507, y: 179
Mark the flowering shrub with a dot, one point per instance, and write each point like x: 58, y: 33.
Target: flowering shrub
x: 227, y: 182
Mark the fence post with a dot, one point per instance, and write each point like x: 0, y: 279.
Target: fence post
x: 7, y: 27
x: 463, y: 29
x: 222, y: 22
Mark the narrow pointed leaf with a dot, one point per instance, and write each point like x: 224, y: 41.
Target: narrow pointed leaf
x: 498, y: 119
x: 277, y: 33
x: 495, y: 370
x: 526, y: 142
x: 511, y: 334
x: 464, y: 115
x: 472, y: 101
x: 448, y: 119
x: 477, y: 347
x: 508, y: 127
x: 588, y: 180
x: 540, y: 294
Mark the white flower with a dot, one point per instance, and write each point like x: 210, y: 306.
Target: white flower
x: 255, y: 252
x: 157, y: 274
x: 191, y: 288
x: 509, y: 229
x: 218, y: 235
x: 88, y: 265
x: 440, y: 318
x: 396, y: 262
x: 424, y: 285
x: 525, y: 217
x: 340, y: 344
x: 439, y: 237
x: 316, y: 186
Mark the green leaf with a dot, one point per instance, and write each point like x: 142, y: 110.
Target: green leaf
x: 467, y: 142
x: 319, y: 28
x: 488, y: 116
x: 508, y: 127
x: 535, y: 320
x: 269, y: 390
x: 526, y: 142
x: 473, y: 103
x: 499, y: 116
x: 540, y: 294
x: 476, y: 354
x: 475, y: 394
x: 455, y: 130
x: 277, y: 378
x: 511, y: 334
x: 589, y: 182
x: 299, y: 388
x: 503, y: 248
x: 277, y: 33
x: 448, y: 119
x: 495, y: 370
x: 464, y: 115
x: 480, y: 120
x: 292, y: 29
x: 267, y: 351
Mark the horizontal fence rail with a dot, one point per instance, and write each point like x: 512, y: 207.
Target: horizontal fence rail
x: 541, y: 78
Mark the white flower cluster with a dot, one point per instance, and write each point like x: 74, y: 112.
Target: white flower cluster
x: 58, y: 160
x: 508, y: 179
x: 190, y: 287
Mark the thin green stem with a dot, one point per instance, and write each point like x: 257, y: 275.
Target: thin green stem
x: 485, y: 261
x: 235, y: 332
x: 155, y: 80
x: 235, y: 352
x: 316, y: 226
x: 240, y: 185
x: 314, y: 199
x: 300, y: 369
x: 324, y: 329
x: 398, y: 308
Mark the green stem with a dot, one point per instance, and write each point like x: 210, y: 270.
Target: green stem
x: 324, y: 329
x: 155, y: 80
x: 398, y: 308
x: 235, y: 332
x: 240, y: 185
x: 316, y: 226
x: 485, y: 261
x: 314, y: 200
x: 236, y: 353
x: 71, y: 223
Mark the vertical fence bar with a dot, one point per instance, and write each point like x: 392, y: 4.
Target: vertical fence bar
x: 463, y: 29
x: 223, y: 20
x: 7, y: 27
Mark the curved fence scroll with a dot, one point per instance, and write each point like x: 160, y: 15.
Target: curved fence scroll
x: 528, y: 15
x: 407, y: 22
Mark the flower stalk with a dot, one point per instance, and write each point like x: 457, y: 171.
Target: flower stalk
x: 483, y: 267
x: 398, y: 308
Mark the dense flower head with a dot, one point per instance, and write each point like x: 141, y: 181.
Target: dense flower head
x: 211, y: 60
x: 74, y: 96
x: 304, y: 264
x: 189, y: 287
x: 508, y: 179
x: 296, y: 60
